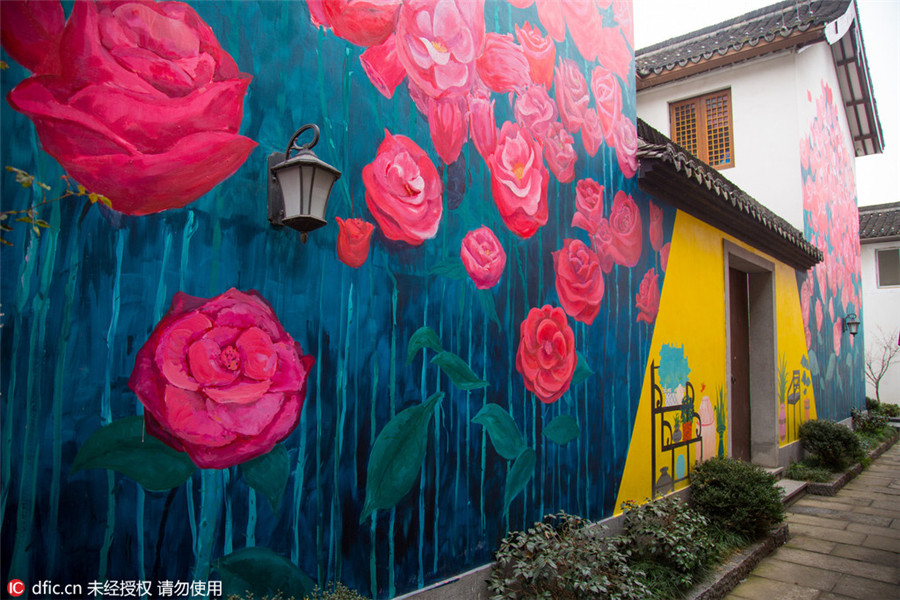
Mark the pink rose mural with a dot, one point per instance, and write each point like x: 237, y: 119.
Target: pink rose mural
x: 360, y: 22
x: 220, y: 378
x: 354, y: 237
x: 546, y: 357
x: 383, y: 67
x: 519, y: 180
x: 559, y: 152
x: 438, y: 43
x: 588, y: 205
x: 625, y: 141
x: 579, y: 280
x: 403, y: 191
x: 647, y: 299
x: 540, y: 51
x: 482, y: 125
x: 656, y: 226
x: 608, y: 96
x: 625, y: 225
x: 136, y: 101
x: 483, y: 257
x: 449, y: 129
x: 572, y: 96
x: 536, y: 111
x: 502, y: 65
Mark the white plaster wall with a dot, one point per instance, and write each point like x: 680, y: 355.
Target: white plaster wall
x: 881, y: 312
x: 770, y: 110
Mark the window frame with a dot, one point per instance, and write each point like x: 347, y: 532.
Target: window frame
x: 878, y: 251
x: 699, y: 103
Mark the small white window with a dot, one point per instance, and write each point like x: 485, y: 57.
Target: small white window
x: 888, y: 262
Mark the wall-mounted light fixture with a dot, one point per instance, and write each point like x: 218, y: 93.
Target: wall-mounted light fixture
x: 299, y: 186
x: 851, y: 324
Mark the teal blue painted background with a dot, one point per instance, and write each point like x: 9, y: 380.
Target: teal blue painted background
x: 80, y: 300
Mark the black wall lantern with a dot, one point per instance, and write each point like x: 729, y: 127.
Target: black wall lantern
x: 299, y: 186
x: 851, y: 324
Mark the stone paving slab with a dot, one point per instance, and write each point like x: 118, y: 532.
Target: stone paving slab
x: 842, y: 547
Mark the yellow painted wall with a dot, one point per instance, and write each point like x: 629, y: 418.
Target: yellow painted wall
x: 692, y: 316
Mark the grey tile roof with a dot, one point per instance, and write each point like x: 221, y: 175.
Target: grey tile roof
x: 766, y: 24
x: 879, y: 221
x: 677, y: 177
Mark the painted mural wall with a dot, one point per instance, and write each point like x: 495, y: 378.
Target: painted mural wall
x: 684, y: 413
x: 831, y: 290
x: 193, y: 398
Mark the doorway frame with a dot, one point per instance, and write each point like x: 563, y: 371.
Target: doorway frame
x: 763, y: 351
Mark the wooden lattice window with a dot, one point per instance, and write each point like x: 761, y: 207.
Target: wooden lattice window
x: 703, y: 126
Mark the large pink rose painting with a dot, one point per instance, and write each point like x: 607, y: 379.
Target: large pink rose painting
x: 221, y: 379
x: 136, y: 100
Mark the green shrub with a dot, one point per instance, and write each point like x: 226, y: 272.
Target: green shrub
x: 668, y: 534
x: 834, y: 445
x: 807, y: 471
x: 737, y: 496
x: 890, y: 410
x: 871, y: 421
x: 561, y: 558
x: 872, y: 404
x: 335, y: 591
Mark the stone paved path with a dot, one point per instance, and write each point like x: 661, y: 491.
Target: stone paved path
x: 845, y: 546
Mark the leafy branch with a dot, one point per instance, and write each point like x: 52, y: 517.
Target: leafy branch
x: 30, y: 215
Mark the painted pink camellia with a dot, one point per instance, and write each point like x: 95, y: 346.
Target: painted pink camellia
x: 588, y: 205
x: 540, y: 52
x: 220, y: 378
x: 136, y: 100
x: 625, y: 224
x: 354, y: 237
x: 438, y: 42
x: 647, y: 298
x: 519, y: 180
x: 625, y: 141
x: 546, y: 357
x: 482, y: 125
x: 572, y: 96
x: 579, y: 280
x: 483, y: 257
x: 656, y: 226
x: 535, y: 111
x: 502, y: 64
x: 591, y: 132
x: 559, y: 151
x: 447, y: 121
x: 404, y: 191
x: 608, y: 96
x: 360, y: 22
x: 383, y: 67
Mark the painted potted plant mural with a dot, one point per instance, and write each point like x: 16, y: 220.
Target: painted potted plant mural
x: 707, y: 426
x: 721, y: 420
x: 673, y: 373
x: 687, y: 419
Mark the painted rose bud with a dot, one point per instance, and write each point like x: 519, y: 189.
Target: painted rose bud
x: 546, y: 357
x: 559, y: 152
x: 579, y: 280
x: 647, y: 298
x: 572, y: 95
x: 220, y: 378
x: 483, y: 257
x: 136, y: 101
x: 588, y: 205
x: 625, y: 223
x: 354, y: 237
x: 502, y: 65
x: 540, y: 52
x: 519, y: 180
x: 404, y: 191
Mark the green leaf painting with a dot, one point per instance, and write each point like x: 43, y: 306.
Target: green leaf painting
x: 452, y: 268
x: 518, y: 475
x: 458, y: 371
x: 397, y: 456
x: 501, y: 428
x: 125, y: 447
x: 424, y: 337
x: 262, y: 573
x: 582, y: 370
x: 268, y: 474
x: 829, y: 372
x: 562, y: 430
